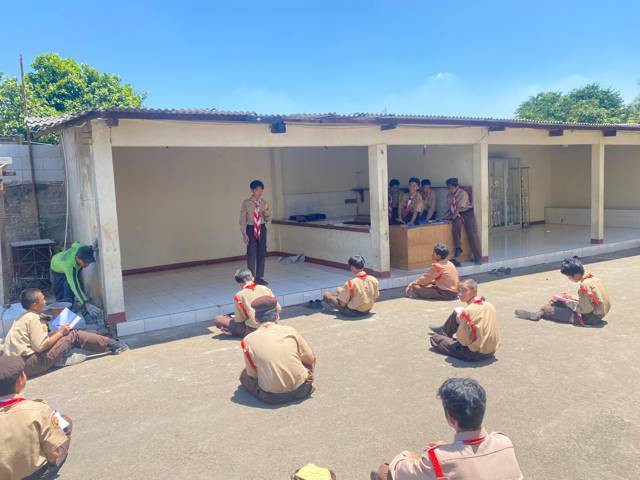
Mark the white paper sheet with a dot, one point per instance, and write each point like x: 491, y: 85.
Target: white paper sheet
x: 66, y: 317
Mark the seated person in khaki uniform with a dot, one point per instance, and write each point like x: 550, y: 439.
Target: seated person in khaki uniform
x: 475, y: 327
x: 243, y: 320
x: 474, y: 453
x: 394, y: 200
x: 358, y: 295
x: 588, y: 308
x: 29, y: 337
x: 34, y: 444
x: 429, y: 201
x: 411, y: 204
x: 440, y: 282
x: 279, y: 362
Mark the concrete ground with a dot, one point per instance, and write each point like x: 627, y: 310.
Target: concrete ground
x: 171, y: 407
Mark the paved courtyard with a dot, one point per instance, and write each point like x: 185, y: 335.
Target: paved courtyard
x: 170, y: 408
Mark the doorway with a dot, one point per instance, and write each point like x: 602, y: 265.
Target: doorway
x: 508, y: 182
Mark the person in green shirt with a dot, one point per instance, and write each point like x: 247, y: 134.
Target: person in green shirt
x: 65, y: 277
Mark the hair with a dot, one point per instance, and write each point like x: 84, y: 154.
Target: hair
x: 441, y: 250
x: 357, y: 261
x: 464, y: 400
x: 571, y: 267
x: 256, y: 184
x: 243, y: 275
x: 469, y: 283
x: 28, y: 297
x: 452, y: 182
x: 424, y: 182
x: 265, y: 316
x: 415, y: 180
x: 394, y: 182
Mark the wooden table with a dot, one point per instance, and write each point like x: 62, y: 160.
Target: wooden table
x: 411, y: 248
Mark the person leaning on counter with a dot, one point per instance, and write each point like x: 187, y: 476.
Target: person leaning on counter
x: 461, y: 212
x: 410, y: 203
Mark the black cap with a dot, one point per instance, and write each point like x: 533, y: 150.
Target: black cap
x: 11, y: 367
x: 85, y: 254
x: 452, y: 182
x: 264, y: 303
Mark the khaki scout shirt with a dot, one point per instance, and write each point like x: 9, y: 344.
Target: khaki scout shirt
x: 248, y: 207
x: 394, y: 199
x: 27, y: 436
x: 492, y: 459
x: 27, y: 335
x: 278, y: 353
x: 462, y: 198
x: 242, y: 303
x: 429, y: 201
x: 410, y: 204
x: 478, y: 327
x: 593, y: 296
x: 360, y: 293
x: 443, y: 275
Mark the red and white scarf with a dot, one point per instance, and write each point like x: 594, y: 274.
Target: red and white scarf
x: 257, y: 220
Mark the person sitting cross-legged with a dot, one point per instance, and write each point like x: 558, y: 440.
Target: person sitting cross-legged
x: 357, y: 297
x: 243, y: 321
x: 279, y: 362
x: 477, y: 335
x: 29, y: 337
x: 440, y: 282
x: 588, y: 308
x: 474, y: 453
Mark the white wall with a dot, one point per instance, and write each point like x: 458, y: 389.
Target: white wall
x: 182, y: 204
x: 435, y: 162
x: 621, y: 176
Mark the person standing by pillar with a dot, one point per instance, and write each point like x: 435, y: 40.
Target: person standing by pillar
x: 461, y: 212
x: 254, y: 216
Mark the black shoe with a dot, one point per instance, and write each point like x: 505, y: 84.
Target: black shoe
x: 262, y: 281
x: 457, y: 252
x: 526, y: 315
x: 477, y: 261
x: 117, y: 347
x: 437, y: 329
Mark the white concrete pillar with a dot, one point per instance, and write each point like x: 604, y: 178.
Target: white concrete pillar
x: 103, y: 186
x: 481, y: 194
x: 379, y: 208
x: 597, y: 193
x: 277, y: 187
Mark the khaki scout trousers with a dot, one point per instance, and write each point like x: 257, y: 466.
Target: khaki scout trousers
x: 447, y: 345
x: 559, y: 312
x: 431, y: 292
x: 469, y: 220
x: 236, y: 329
x: 257, y: 251
x: 251, y: 385
x: 38, y: 363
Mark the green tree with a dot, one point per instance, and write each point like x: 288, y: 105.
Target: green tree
x: 61, y: 86
x: 589, y: 104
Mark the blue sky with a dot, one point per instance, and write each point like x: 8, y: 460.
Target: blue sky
x: 426, y: 57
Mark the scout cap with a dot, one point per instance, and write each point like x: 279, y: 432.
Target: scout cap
x: 11, y: 367
x: 452, y: 182
x: 264, y: 304
x: 86, y: 254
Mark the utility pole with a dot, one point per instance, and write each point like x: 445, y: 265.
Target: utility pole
x: 25, y: 107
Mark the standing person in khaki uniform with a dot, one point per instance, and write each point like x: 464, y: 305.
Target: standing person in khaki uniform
x: 243, y: 321
x: 358, y: 295
x: 254, y: 217
x: 279, y: 362
x: 394, y: 200
x: 588, y: 308
x: 410, y: 203
x: 429, y: 201
x: 461, y: 212
x: 474, y: 453
x: 29, y: 338
x: 34, y: 444
x: 477, y: 336
x: 440, y: 282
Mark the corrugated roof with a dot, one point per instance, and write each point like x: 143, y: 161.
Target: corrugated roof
x: 42, y: 125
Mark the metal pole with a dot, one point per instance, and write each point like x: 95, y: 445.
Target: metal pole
x: 29, y: 146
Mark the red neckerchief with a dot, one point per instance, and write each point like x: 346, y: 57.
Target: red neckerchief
x: 251, y: 286
x: 362, y: 275
x: 478, y: 301
x: 472, y: 326
x: 437, y: 468
x: 585, y: 290
x: 13, y: 401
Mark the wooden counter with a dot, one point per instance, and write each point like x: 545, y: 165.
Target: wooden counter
x: 411, y: 248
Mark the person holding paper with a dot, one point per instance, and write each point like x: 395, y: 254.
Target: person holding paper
x: 35, y: 439
x: 588, y: 308
x: 30, y: 338
x: 477, y: 336
x: 254, y: 217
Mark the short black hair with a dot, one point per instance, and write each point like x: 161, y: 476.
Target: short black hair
x: 394, y: 181
x: 414, y: 180
x: 243, y: 275
x: 28, y: 297
x: 424, y: 182
x: 255, y: 184
x: 571, y: 266
x: 357, y: 261
x: 464, y: 400
x: 452, y: 182
x: 441, y: 250
x: 267, y: 315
